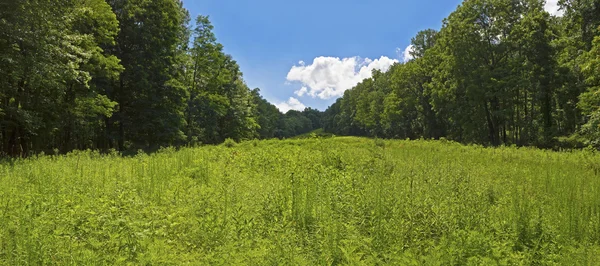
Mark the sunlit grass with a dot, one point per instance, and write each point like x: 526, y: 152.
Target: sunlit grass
x: 309, y: 202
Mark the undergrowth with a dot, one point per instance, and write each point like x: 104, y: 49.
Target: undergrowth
x: 336, y: 201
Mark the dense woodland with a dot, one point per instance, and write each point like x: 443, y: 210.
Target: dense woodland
x: 138, y: 74
x: 498, y: 72
x: 124, y: 75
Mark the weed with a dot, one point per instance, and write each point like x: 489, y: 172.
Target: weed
x: 309, y: 201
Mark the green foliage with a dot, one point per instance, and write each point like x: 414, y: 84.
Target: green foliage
x: 315, y: 134
x: 304, y: 202
x: 133, y: 74
x: 295, y: 123
x: 121, y: 74
x: 50, y: 54
x: 379, y: 143
x: 590, y: 100
x: 151, y: 90
x: 268, y: 117
x: 229, y: 143
x: 219, y: 105
x: 498, y: 72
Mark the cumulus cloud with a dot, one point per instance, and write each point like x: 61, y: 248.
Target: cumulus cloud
x: 301, y: 92
x: 405, y: 54
x: 553, y: 8
x: 329, y: 77
x: 291, y: 104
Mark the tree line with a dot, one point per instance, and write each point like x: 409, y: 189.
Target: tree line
x: 123, y: 75
x: 135, y: 74
x: 497, y: 72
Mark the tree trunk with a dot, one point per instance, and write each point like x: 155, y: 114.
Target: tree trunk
x: 493, y: 136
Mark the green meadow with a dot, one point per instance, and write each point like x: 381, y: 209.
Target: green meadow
x: 314, y: 201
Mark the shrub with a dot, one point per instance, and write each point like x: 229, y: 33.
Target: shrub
x: 229, y: 143
x: 379, y: 143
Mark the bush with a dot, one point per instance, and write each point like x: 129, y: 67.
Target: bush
x: 379, y: 143
x: 195, y: 142
x: 229, y: 143
x: 574, y: 141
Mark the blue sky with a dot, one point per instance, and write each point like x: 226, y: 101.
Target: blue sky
x: 306, y: 53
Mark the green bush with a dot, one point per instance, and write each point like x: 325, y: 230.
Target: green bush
x: 229, y: 143
x: 379, y: 143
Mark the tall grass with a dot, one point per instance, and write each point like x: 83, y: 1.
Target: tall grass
x: 304, y: 202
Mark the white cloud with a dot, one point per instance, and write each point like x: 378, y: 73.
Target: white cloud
x: 329, y: 77
x: 552, y: 8
x: 291, y: 104
x: 405, y: 54
x: 399, y: 52
x: 301, y: 92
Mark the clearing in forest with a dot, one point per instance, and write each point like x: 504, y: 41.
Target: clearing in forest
x: 304, y: 202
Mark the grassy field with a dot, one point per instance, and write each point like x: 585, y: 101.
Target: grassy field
x: 333, y: 201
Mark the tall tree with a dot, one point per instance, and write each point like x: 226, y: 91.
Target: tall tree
x: 494, y: 74
x: 590, y: 100
x: 150, y: 92
x: 268, y: 117
x: 220, y: 105
x: 50, y: 52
